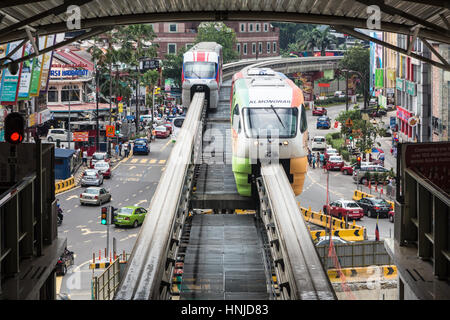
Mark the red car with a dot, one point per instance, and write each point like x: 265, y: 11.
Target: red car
x: 391, y: 215
x: 330, y: 152
x: 168, y: 125
x: 319, y: 111
x: 335, y: 162
x: 342, y: 208
x: 348, y: 170
x: 161, y: 132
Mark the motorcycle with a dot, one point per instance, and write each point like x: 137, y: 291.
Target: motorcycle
x: 60, y: 217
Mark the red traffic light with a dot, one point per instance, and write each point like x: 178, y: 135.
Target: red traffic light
x: 14, y: 126
x: 358, y: 159
x: 119, y: 98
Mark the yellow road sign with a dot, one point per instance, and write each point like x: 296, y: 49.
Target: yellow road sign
x: 110, y: 132
x: 120, y: 107
x: 349, y: 122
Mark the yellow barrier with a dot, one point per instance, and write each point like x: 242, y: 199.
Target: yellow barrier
x: 99, y: 265
x: 346, y: 234
x: 323, y: 220
x: 64, y: 185
x: 363, y: 273
x: 357, y: 195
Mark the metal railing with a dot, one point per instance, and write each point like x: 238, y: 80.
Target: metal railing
x: 300, y: 273
x: 105, y: 285
x: 149, y: 271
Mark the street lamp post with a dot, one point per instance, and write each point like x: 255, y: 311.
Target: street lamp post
x: 97, y: 140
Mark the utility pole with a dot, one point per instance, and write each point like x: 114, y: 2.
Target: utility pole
x: 97, y: 140
x: 69, y: 129
x: 346, y: 91
x: 137, y: 100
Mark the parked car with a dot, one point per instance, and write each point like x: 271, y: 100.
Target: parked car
x: 104, y: 168
x: 361, y: 174
x: 323, y: 122
x: 318, y: 143
x: 330, y: 152
x: 130, y: 216
x: 335, y: 162
x: 141, y: 146
x: 91, y: 177
x: 342, y: 208
x: 326, y: 240
x: 339, y: 94
x: 169, y: 127
x: 319, y: 111
x: 95, y: 195
x: 161, y: 132
x: 375, y: 206
x: 99, y: 156
x: 64, y: 262
x: 348, y: 169
x: 58, y: 134
x: 391, y: 215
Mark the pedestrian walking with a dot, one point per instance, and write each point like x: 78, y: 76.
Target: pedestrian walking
x: 321, y: 158
x: 317, y: 159
x: 117, y: 150
x: 85, y: 157
x: 129, y: 149
x: 314, y: 162
x: 309, y: 159
x: 120, y: 149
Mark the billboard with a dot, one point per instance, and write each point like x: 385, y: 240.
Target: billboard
x: 46, y: 64
x: 3, y: 48
x: 36, y: 73
x: 25, y: 76
x: 10, y: 82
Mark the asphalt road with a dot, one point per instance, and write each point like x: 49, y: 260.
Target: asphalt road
x: 134, y: 181
x: 341, y: 186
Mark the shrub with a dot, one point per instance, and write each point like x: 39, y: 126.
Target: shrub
x: 345, y: 154
x: 336, y: 135
x: 329, y: 137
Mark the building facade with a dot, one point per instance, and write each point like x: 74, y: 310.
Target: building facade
x: 256, y: 39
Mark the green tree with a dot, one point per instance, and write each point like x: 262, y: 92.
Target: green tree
x: 220, y: 33
x: 357, y: 58
x: 150, y: 79
x: 172, y: 66
x: 290, y: 33
x: 324, y: 39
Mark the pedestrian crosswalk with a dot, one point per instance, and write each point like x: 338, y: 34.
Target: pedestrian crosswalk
x: 143, y: 161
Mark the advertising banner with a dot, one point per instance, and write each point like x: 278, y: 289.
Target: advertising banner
x: 379, y: 78
x: 411, y: 88
x: 307, y: 85
x: 25, y: 77
x: 46, y: 64
x: 10, y: 82
x: 3, y: 48
x: 36, y: 73
x: 81, y: 136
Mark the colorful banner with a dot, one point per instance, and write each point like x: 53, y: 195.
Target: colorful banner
x: 3, y: 48
x: 36, y: 73
x: 411, y: 88
x: 25, y: 77
x: 81, y: 136
x: 46, y: 64
x: 399, y: 84
x: 379, y: 78
x: 10, y: 82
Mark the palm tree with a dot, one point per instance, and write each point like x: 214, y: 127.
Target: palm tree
x: 308, y: 40
x: 324, y: 39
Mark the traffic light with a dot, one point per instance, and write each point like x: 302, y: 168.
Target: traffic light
x: 14, y: 128
x: 104, y: 216
x: 358, y: 162
x: 119, y: 98
x: 113, y: 215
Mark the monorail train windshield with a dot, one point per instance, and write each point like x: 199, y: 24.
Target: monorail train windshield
x: 200, y: 70
x: 264, y: 121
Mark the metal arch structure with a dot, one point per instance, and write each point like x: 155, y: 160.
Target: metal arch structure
x: 428, y: 20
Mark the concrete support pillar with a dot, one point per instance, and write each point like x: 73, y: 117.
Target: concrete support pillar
x: 424, y: 218
x: 440, y: 233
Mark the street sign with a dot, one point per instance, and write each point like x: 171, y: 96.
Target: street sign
x: 349, y: 122
x: 110, y: 131
x: 148, y: 64
x: 157, y: 90
x: 80, y: 136
x: 120, y: 107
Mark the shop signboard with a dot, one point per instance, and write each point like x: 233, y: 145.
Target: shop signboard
x: 10, y: 82
x: 411, y: 88
x: 379, y: 78
x: 400, y: 84
x: 25, y: 76
x: 80, y: 136
x: 36, y: 73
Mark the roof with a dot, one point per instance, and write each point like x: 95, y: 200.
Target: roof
x: 49, y: 16
x: 63, y: 153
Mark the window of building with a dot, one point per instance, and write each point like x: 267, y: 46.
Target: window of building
x: 266, y: 27
x: 268, y: 47
x: 260, y: 48
x: 257, y: 27
x: 245, y: 49
x: 70, y: 93
x: 173, y: 27
x: 52, y: 94
x: 242, y: 27
x: 253, y: 48
x: 274, y: 47
x: 172, y: 48
x: 238, y: 48
x: 250, y: 27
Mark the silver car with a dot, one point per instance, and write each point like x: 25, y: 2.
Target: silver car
x: 91, y: 177
x: 95, y: 195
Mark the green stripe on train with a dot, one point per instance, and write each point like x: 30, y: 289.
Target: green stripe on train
x: 241, y: 169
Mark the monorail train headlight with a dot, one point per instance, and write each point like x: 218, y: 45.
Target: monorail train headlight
x: 286, y: 142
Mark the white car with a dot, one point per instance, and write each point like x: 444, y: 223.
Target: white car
x: 339, y: 94
x: 58, y: 134
x: 319, y: 143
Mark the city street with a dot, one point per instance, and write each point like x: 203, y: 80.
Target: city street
x: 340, y: 186
x: 133, y: 182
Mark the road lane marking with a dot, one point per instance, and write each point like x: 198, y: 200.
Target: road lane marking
x: 147, y: 187
x: 72, y: 197
x: 131, y: 168
x: 133, y: 235
x: 120, y: 204
x: 117, y: 185
x: 140, y: 190
x: 153, y: 161
x: 134, y: 160
x: 68, y: 211
x: 139, y: 202
x: 163, y: 168
x: 165, y: 146
x: 134, y: 195
x: 162, y: 161
x: 126, y: 200
x: 143, y: 161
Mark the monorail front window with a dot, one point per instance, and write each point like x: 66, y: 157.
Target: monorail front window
x: 199, y: 70
x: 261, y: 122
